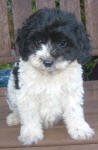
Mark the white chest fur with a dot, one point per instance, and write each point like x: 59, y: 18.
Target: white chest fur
x: 49, y: 85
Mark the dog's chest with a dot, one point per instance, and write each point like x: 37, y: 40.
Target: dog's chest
x: 49, y: 86
x: 43, y: 85
x: 46, y: 85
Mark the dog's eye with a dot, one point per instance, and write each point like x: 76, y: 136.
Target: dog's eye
x: 38, y: 42
x: 62, y: 44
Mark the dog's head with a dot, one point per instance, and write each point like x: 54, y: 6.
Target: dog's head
x: 51, y: 39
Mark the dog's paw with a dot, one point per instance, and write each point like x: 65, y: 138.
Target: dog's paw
x: 12, y: 119
x: 82, y: 132
x: 29, y: 136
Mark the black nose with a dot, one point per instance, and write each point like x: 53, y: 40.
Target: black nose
x: 48, y: 62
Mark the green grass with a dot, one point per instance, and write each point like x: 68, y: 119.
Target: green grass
x: 89, y: 67
x: 57, y: 3
x: 82, y: 11
x: 6, y: 66
x: 33, y: 6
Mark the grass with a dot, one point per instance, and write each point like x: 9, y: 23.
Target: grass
x: 57, y: 3
x: 33, y: 6
x: 82, y: 11
x: 6, y: 66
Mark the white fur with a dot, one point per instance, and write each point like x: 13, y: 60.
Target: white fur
x: 12, y: 119
x: 46, y: 97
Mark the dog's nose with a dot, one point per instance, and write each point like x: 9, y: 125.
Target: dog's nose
x: 48, y: 62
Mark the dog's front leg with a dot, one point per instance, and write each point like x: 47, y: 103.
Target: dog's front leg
x: 31, y: 129
x: 74, y: 118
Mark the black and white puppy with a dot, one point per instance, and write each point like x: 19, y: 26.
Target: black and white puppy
x: 46, y: 84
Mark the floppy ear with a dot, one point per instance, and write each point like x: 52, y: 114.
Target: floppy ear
x: 83, y: 43
x: 20, y: 40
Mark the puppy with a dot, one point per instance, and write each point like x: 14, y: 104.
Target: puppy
x: 46, y: 84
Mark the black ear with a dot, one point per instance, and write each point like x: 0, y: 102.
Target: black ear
x: 83, y: 43
x: 21, y: 42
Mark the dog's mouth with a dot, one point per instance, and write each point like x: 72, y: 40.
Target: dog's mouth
x: 57, y: 66
x: 49, y: 64
x: 48, y: 69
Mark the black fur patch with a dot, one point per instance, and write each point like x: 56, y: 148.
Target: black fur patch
x: 56, y: 26
x: 15, y: 73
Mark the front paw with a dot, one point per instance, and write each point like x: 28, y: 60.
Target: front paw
x: 81, y: 132
x: 12, y: 119
x: 30, y: 136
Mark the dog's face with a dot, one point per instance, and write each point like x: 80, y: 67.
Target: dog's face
x: 53, y: 50
x: 52, y: 39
